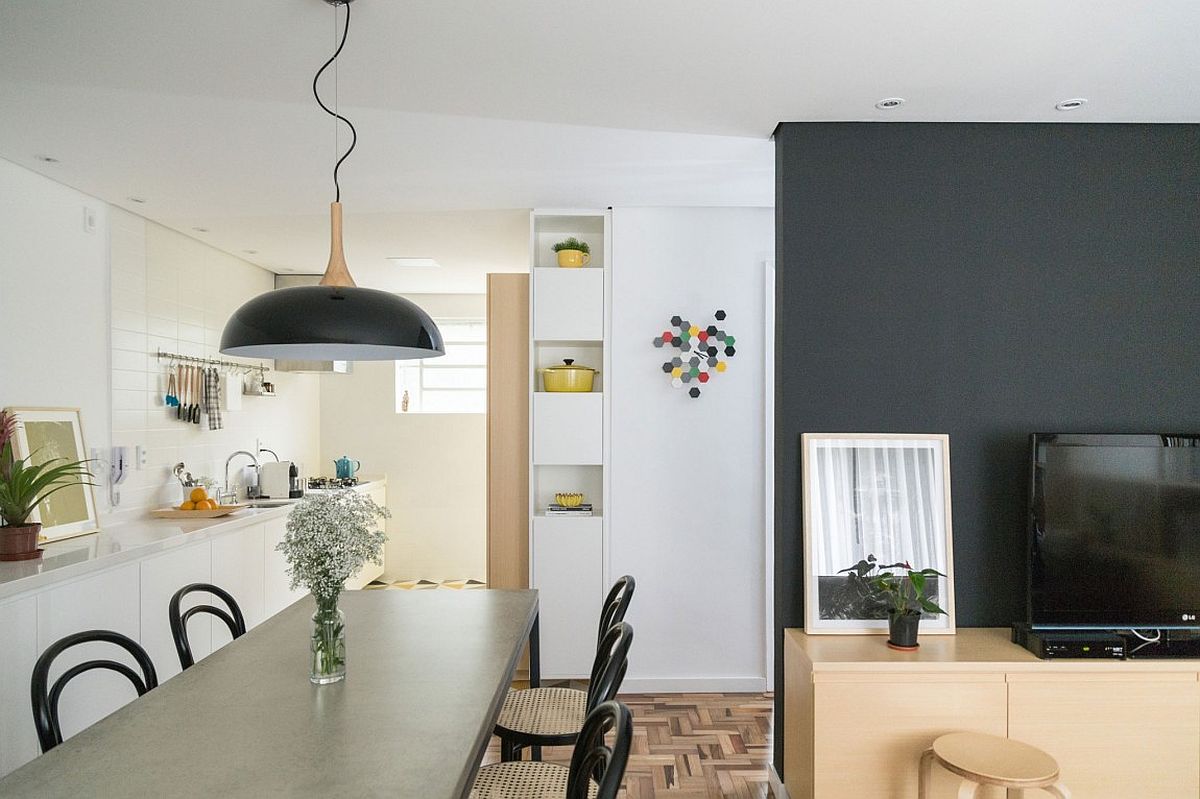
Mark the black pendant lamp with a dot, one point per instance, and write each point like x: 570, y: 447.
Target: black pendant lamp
x: 335, y: 320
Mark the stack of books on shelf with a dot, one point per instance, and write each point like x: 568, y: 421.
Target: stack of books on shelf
x: 554, y: 509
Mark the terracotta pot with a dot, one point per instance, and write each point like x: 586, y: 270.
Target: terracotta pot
x: 20, y: 542
x: 903, y: 629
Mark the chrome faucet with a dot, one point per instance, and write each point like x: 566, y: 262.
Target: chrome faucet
x: 230, y: 492
x: 261, y: 450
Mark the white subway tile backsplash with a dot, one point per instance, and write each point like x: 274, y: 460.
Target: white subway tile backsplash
x: 174, y: 294
x: 165, y: 328
x: 133, y: 361
x: 127, y: 340
x: 138, y: 381
x: 133, y: 321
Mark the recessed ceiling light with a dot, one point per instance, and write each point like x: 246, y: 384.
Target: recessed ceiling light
x: 415, y: 263
x: 1072, y: 104
x: 138, y: 200
x: 888, y: 103
x: 200, y: 229
x: 47, y: 159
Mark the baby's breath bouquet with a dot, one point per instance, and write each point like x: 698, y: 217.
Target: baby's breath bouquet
x: 330, y: 536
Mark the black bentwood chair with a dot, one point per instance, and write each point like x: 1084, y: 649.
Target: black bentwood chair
x: 596, y: 769
x: 45, y: 696
x: 554, y: 716
x: 537, y: 716
x: 233, y: 619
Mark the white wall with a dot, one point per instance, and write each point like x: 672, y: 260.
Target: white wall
x: 686, y: 504
x: 174, y: 293
x: 435, y: 463
x: 82, y: 314
x: 53, y: 300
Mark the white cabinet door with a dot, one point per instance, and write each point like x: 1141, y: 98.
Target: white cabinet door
x: 107, y: 601
x: 161, y: 576
x: 567, y: 572
x: 276, y: 593
x: 238, y: 566
x: 18, y: 652
x: 568, y: 304
x: 568, y: 428
x: 370, y: 571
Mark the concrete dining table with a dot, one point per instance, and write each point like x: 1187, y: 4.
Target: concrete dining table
x: 427, y: 673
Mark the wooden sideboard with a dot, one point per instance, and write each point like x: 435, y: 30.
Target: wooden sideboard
x: 857, y: 715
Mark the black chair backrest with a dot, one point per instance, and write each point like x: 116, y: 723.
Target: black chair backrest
x: 594, y: 758
x: 608, y: 669
x: 45, y: 697
x: 233, y: 619
x: 615, y: 605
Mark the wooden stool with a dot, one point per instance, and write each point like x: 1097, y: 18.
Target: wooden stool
x: 989, y: 760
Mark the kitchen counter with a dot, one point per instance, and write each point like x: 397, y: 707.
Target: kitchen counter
x: 124, y: 541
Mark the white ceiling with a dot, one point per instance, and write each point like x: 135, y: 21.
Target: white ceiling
x: 204, y: 108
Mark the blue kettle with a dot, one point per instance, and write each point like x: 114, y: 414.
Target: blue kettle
x: 346, y: 467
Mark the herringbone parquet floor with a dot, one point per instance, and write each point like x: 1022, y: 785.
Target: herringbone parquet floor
x: 691, y: 746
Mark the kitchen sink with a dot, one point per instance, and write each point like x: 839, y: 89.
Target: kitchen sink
x: 272, y: 503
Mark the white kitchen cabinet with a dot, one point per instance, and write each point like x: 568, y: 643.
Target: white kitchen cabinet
x: 106, y: 601
x: 568, y: 428
x: 163, y: 575
x: 18, y: 652
x: 239, y: 566
x: 568, y: 572
x: 568, y: 304
x: 277, y: 593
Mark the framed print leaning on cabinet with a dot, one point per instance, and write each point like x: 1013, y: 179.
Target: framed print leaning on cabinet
x: 885, y: 495
x: 50, y: 434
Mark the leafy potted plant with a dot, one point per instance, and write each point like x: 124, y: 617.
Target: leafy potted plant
x: 573, y: 253
x: 330, y: 536
x: 23, y: 485
x: 903, y: 593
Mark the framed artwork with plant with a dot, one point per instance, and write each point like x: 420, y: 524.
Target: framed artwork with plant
x: 47, y: 450
x: 877, y: 498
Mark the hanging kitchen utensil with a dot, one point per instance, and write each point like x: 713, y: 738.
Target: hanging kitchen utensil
x: 171, y: 400
x: 183, y: 391
x: 199, y: 388
x: 191, y: 382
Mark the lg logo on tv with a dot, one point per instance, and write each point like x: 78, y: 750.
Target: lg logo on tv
x: 1189, y: 617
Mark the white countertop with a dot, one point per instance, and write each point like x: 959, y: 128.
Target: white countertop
x: 126, y: 541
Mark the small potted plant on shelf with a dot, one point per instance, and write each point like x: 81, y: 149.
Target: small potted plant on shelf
x: 573, y: 253
x: 903, y: 593
x: 330, y: 536
x: 23, y: 485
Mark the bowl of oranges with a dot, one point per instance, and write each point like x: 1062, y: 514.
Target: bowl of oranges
x: 198, y: 505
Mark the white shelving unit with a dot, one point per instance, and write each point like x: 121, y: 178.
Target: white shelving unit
x: 569, y: 441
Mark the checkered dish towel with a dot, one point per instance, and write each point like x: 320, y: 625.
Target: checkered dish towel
x: 212, y: 398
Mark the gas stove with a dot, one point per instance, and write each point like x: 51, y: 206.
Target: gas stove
x: 331, y: 483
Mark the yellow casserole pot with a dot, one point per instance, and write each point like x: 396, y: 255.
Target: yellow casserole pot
x: 568, y: 377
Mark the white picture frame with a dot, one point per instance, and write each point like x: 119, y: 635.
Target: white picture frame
x: 882, y: 494
x: 57, y: 433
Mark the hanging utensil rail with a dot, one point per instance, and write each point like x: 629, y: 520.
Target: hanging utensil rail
x: 248, y: 367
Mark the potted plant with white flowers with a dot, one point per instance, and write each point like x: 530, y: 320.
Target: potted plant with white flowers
x: 329, y: 538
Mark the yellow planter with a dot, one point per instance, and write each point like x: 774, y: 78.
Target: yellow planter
x: 573, y: 259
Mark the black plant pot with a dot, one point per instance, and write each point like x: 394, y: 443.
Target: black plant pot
x: 903, y: 629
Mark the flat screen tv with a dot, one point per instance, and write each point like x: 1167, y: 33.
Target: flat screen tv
x: 1114, y: 531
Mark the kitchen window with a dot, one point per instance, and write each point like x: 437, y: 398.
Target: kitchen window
x: 453, y: 383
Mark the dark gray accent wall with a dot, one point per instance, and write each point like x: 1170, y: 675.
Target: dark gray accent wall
x: 985, y: 281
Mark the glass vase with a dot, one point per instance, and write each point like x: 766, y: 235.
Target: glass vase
x: 328, y: 642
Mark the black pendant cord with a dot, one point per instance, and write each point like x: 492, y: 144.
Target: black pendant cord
x: 354, y: 133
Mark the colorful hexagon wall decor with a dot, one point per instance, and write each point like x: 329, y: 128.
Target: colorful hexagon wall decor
x: 698, y: 359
